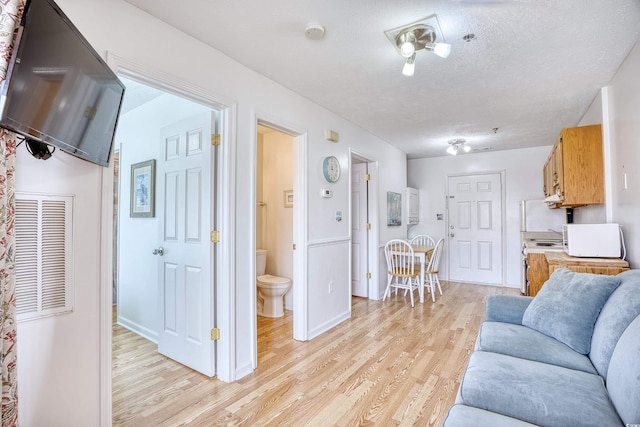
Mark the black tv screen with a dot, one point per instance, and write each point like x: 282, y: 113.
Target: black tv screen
x: 58, y: 90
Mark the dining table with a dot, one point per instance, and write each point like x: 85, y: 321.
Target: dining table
x: 422, y: 253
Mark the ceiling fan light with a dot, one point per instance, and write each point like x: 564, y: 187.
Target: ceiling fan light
x: 453, y: 150
x: 410, y: 65
x: 466, y: 148
x: 442, y: 49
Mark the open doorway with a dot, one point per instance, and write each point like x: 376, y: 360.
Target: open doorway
x: 274, y: 241
x: 156, y: 127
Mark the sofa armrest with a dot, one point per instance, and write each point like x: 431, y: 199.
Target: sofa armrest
x: 506, y: 308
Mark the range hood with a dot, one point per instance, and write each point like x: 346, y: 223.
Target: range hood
x: 553, y: 199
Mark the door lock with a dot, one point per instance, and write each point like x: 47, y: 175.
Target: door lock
x: 451, y: 234
x: 158, y: 251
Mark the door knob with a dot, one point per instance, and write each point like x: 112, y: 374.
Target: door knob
x: 159, y: 251
x: 451, y: 234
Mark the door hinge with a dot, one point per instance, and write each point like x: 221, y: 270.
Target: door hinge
x: 294, y: 246
x: 215, y: 139
x: 367, y: 177
x: 368, y: 226
x: 368, y: 275
x: 215, y: 236
x: 215, y: 334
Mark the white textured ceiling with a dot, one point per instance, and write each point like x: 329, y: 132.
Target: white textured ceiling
x: 533, y: 68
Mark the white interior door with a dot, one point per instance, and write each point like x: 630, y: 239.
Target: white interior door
x: 475, y: 228
x: 185, y: 211
x: 359, y: 243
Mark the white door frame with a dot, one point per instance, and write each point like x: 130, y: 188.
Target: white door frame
x: 503, y: 212
x: 224, y: 221
x: 300, y: 238
x: 372, y: 202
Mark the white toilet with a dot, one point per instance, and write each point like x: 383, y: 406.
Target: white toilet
x: 271, y: 289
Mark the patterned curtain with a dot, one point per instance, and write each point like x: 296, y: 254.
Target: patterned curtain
x: 10, y: 13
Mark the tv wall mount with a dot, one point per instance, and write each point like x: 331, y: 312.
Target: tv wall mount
x: 39, y: 150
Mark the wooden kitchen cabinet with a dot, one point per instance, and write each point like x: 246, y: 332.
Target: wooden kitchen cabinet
x: 537, y: 272
x: 540, y: 266
x: 574, y: 170
x: 607, y: 266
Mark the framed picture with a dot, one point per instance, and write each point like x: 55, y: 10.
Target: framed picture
x: 143, y: 189
x: 288, y: 198
x: 394, y: 209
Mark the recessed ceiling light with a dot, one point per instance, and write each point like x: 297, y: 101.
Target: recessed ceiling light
x: 314, y: 31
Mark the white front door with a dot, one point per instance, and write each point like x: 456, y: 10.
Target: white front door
x: 475, y: 228
x: 359, y: 243
x: 185, y: 183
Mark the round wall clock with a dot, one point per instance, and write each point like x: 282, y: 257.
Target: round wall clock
x: 331, y: 169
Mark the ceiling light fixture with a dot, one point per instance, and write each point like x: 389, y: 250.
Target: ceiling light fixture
x: 418, y: 36
x: 441, y: 49
x: 409, y: 66
x: 456, y: 145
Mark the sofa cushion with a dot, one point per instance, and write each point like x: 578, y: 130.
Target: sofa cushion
x: 536, y: 392
x: 465, y: 416
x: 618, y: 312
x: 623, y: 378
x: 526, y: 343
x: 567, y: 306
x: 506, y: 308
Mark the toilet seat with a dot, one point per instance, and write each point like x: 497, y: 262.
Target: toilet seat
x: 268, y: 279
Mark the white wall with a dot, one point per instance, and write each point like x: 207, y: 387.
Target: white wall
x: 58, y: 356
x: 623, y: 114
x: 523, y: 180
x: 59, y: 367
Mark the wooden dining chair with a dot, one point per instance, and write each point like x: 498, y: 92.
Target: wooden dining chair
x: 401, y: 271
x: 423, y: 240
x: 431, y: 272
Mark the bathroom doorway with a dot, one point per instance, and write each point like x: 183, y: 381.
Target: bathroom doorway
x: 274, y: 226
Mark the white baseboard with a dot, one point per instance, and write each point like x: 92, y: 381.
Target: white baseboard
x: 138, y: 329
x: 320, y: 329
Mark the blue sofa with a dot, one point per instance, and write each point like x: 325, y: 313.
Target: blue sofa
x: 568, y: 357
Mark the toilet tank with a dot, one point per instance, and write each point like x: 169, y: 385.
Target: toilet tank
x: 261, y: 261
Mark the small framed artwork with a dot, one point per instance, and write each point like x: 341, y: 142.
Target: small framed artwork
x: 394, y: 209
x: 288, y: 198
x: 143, y: 189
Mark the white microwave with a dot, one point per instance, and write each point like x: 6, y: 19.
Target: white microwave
x: 592, y: 240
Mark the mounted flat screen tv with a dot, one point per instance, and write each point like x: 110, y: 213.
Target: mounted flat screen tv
x: 58, y: 90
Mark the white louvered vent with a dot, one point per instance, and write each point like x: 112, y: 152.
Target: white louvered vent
x: 43, y: 255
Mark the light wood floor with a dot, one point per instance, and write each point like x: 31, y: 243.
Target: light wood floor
x: 388, y: 365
